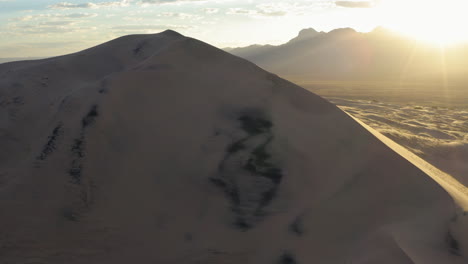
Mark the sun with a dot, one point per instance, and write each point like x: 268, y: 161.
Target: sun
x: 442, y: 22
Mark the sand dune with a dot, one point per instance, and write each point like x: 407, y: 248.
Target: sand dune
x: 437, y: 134
x: 163, y: 149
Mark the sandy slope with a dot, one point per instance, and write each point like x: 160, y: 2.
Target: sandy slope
x: 163, y: 149
x: 457, y: 190
x: 437, y: 134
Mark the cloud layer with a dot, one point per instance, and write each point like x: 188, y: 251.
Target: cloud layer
x: 354, y: 4
x: 67, y: 5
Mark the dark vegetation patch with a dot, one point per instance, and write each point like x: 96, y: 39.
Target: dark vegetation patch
x: 75, y: 171
x: 18, y: 100
x: 51, y: 145
x: 78, y: 146
x: 90, y: 117
x: 84, y: 188
x: 69, y: 214
x: 12, y: 105
x: 287, y: 258
x: 236, y: 146
x: 230, y: 190
x: 15, y: 101
x: 44, y: 81
x: 296, y: 227
x: 63, y: 102
x: 255, y: 125
x: 259, y: 163
x: 453, y: 244
x: 242, y: 224
x: 77, y: 150
x: 266, y: 198
x: 248, y: 204
x: 139, y: 48
x: 103, y: 88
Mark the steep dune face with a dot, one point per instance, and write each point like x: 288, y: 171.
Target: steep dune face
x: 163, y: 149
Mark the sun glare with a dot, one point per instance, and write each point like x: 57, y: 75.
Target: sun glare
x: 441, y: 22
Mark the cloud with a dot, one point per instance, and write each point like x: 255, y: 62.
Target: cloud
x: 167, y: 1
x: 23, y: 18
x: 274, y: 9
x: 148, y: 27
x: 53, y: 16
x: 67, y: 5
x: 57, y: 23
x: 145, y: 29
x: 209, y: 10
x: 255, y: 13
x: 179, y: 15
x: 80, y: 15
x: 50, y: 27
x: 354, y: 4
x: 132, y: 19
x: 263, y: 10
x: 46, y: 24
x: 272, y: 13
x: 240, y: 11
x: 42, y: 49
x: 121, y: 3
x: 34, y: 45
x: 280, y: 9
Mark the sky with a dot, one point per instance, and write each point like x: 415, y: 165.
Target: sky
x: 39, y: 28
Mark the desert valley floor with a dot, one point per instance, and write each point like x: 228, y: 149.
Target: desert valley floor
x: 433, y: 126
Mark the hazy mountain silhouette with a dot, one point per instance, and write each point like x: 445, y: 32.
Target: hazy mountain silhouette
x: 163, y: 149
x: 305, y: 34
x: 344, y: 54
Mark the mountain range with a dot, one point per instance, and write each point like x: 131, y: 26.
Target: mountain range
x: 347, y: 55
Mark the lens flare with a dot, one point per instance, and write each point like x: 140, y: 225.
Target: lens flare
x: 442, y: 22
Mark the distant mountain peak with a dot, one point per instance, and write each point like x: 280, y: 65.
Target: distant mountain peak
x: 308, y: 32
x: 343, y: 31
x: 305, y: 34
